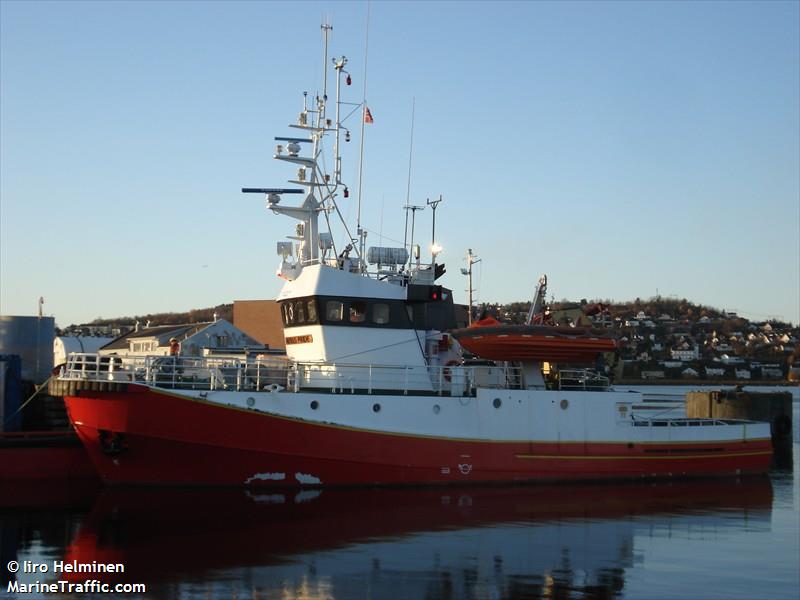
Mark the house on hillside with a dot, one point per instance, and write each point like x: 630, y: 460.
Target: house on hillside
x: 194, y: 339
x: 731, y: 360
x: 771, y: 371
x: 652, y: 374
x: 684, y: 351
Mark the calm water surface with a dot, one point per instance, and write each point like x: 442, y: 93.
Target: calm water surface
x: 691, y: 539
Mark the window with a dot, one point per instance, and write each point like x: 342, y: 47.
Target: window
x: 300, y: 312
x: 311, y: 308
x: 380, y: 313
x: 358, y: 311
x: 334, y: 310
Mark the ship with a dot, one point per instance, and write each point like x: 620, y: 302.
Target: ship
x: 377, y: 388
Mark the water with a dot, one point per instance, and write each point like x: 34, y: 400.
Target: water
x: 709, y: 539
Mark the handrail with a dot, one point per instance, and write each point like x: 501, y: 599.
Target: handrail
x: 585, y: 379
x: 653, y: 421
x: 219, y: 373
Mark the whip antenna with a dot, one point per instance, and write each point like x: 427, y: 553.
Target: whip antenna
x: 360, y: 231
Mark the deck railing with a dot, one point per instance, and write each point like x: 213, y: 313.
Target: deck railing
x: 581, y: 379
x: 203, y: 373
x: 684, y: 422
x: 277, y: 374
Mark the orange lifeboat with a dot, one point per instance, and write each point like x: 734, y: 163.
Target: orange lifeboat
x: 488, y: 338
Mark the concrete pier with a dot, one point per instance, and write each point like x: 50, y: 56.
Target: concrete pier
x: 772, y: 407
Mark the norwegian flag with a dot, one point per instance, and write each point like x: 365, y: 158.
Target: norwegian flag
x: 368, y: 116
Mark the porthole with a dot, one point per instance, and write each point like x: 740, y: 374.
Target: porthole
x: 497, y: 403
x: 564, y: 404
x: 251, y: 401
x: 314, y: 405
x: 376, y: 408
x: 436, y: 409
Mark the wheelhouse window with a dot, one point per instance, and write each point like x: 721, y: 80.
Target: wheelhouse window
x: 311, y: 310
x: 380, y: 313
x: 287, y: 312
x: 334, y: 310
x: 299, y: 312
x: 358, y: 311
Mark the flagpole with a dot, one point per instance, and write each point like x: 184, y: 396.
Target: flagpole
x: 360, y: 231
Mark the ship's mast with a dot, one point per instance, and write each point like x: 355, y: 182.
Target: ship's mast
x: 320, y: 188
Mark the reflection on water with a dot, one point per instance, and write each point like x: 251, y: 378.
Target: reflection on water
x: 691, y: 539
x: 493, y: 542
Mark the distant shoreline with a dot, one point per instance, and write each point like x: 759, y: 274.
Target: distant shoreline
x: 708, y: 382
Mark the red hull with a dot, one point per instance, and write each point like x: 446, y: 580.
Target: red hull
x: 43, y: 456
x: 168, y: 439
x: 179, y: 538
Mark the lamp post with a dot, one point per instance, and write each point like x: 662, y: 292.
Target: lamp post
x: 433, y: 204
x: 471, y: 260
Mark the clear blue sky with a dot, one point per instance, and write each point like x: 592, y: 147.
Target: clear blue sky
x: 622, y: 148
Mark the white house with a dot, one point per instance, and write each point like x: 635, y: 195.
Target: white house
x: 652, y: 374
x: 64, y: 345
x: 771, y: 372
x: 192, y: 340
x: 685, y: 352
x: 732, y: 360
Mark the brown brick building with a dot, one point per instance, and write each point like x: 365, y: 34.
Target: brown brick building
x: 260, y: 319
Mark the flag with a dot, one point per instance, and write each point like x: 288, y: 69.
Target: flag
x: 368, y: 116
